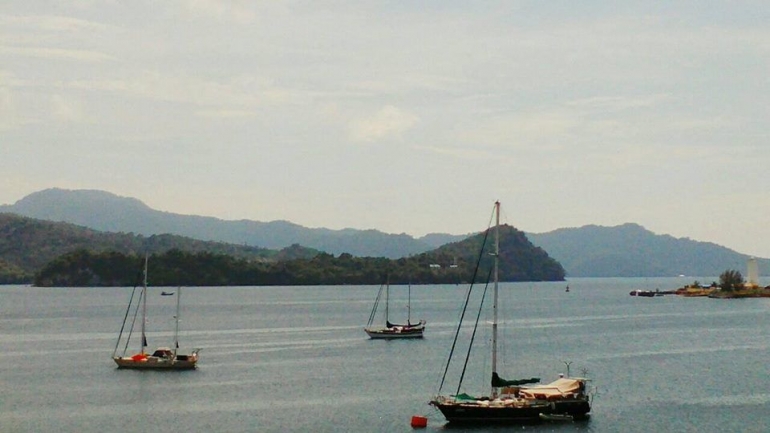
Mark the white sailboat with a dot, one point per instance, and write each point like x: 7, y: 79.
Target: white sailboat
x: 512, y: 401
x: 162, y: 358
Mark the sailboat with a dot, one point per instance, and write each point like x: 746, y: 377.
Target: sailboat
x: 391, y: 330
x: 511, y: 401
x: 163, y: 358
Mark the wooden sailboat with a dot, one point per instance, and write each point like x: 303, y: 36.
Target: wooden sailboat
x: 391, y: 330
x: 512, y: 401
x: 163, y: 358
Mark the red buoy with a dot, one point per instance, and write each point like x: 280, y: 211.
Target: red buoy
x: 419, y: 421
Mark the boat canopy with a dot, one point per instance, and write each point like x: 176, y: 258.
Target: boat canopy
x: 407, y: 326
x: 499, y: 382
x: 557, y: 388
x: 162, y: 352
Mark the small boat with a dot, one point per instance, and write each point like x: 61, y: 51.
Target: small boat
x: 166, y: 293
x: 555, y: 417
x: 509, y: 401
x: 162, y: 358
x: 392, y: 331
x: 644, y: 293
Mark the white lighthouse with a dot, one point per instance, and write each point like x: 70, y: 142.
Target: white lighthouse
x: 753, y: 273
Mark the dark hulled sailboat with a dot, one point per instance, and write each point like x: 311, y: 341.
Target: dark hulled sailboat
x: 511, y: 401
x: 392, y: 331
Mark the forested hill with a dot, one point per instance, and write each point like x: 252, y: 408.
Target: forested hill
x: 520, y: 260
x: 27, y: 245
x: 61, y: 254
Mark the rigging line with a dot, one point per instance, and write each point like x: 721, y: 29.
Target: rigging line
x: 465, y: 308
x: 137, y: 281
x: 374, y: 308
x: 133, y: 321
x: 123, y: 326
x: 473, y: 335
x: 376, y: 304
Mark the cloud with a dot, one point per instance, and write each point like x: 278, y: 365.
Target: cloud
x: 67, y: 110
x: 46, y: 23
x: 57, y: 53
x: 521, y: 130
x: 227, y: 114
x: 239, y: 93
x: 232, y: 10
x: 461, y: 154
x: 11, y: 116
x: 618, y: 103
x: 388, y: 121
x: 8, y: 118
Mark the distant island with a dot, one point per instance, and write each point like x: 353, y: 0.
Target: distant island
x: 717, y: 293
x: 731, y: 285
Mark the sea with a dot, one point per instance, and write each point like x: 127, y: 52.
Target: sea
x: 296, y: 359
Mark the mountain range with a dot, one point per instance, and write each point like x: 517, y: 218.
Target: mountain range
x: 630, y: 250
x: 627, y: 250
x: 104, y: 211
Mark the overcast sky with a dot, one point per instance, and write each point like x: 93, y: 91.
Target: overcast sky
x: 403, y: 116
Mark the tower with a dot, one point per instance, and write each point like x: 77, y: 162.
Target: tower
x: 753, y: 273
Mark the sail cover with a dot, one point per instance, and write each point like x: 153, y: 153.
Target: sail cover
x: 555, y: 389
x: 499, y: 382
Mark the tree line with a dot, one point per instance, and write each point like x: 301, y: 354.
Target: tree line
x: 453, y: 263
x: 83, y: 268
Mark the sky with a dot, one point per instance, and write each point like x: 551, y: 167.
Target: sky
x: 402, y: 116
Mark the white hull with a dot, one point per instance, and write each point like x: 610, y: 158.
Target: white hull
x: 163, y: 358
x: 136, y: 362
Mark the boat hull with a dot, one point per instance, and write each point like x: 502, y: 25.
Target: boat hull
x: 393, y: 334
x: 477, y: 414
x: 153, y: 363
x: 459, y: 413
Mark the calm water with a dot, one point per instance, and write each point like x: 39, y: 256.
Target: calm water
x: 297, y: 359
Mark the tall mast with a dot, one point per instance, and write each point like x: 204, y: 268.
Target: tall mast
x: 176, y: 328
x: 496, y: 255
x: 409, y: 306
x: 387, y: 299
x: 144, y: 305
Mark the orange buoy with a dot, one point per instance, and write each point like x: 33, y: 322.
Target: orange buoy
x: 419, y: 421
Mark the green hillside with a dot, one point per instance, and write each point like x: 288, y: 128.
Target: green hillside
x: 62, y: 254
x: 27, y: 245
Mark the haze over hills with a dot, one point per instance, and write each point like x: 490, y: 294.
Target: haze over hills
x: 628, y: 250
x: 108, y: 212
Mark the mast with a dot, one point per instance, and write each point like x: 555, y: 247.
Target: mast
x: 409, y: 306
x: 176, y: 328
x: 387, y: 300
x: 496, y: 255
x: 144, y: 306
